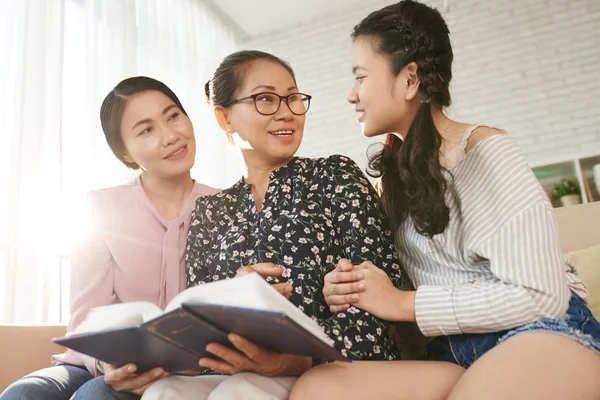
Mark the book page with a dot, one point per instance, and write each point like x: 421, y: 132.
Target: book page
x: 121, y: 315
x: 249, y: 291
x: 243, y: 291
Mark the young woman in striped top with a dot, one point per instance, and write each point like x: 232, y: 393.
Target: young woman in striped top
x: 474, y: 231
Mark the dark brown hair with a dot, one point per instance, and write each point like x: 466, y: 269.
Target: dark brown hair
x: 113, y: 106
x: 222, y: 88
x: 412, y: 177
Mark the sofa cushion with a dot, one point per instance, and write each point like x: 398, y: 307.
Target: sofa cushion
x: 587, y: 262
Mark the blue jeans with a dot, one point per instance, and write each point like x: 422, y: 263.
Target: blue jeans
x: 96, y: 389
x: 60, y: 383
x: 54, y: 383
x: 578, y: 323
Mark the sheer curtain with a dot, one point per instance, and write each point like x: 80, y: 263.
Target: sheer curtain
x: 62, y: 59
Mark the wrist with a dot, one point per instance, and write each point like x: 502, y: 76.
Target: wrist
x: 404, y: 306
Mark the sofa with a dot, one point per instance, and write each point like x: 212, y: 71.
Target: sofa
x: 27, y: 348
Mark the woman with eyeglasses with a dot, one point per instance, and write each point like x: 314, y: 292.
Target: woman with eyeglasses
x: 289, y: 218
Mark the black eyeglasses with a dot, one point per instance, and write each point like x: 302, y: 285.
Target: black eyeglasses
x: 268, y: 103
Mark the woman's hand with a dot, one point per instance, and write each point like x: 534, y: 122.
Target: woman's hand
x: 252, y: 358
x: 369, y: 288
x: 343, y: 285
x: 124, y: 379
x: 265, y: 270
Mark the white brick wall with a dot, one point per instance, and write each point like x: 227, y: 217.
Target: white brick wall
x: 531, y: 67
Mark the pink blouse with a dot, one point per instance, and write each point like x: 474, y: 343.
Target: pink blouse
x: 128, y: 253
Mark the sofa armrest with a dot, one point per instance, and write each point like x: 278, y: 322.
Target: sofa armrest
x: 578, y: 226
x: 27, y: 348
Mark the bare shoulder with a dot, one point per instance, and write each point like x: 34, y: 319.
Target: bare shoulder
x: 481, y: 133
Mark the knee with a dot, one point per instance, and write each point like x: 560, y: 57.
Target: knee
x: 95, y: 388
x: 238, y: 378
x: 233, y: 387
x: 30, y: 388
x: 249, y: 385
x: 163, y: 389
x: 313, y: 384
x: 17, y: 391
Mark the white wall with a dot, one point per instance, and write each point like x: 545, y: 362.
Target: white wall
x: 532, y: 68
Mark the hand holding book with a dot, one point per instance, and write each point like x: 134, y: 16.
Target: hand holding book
x: 253, y: 358
x: 125, y: 379
x: 176, y: 338
x: 248, y: 356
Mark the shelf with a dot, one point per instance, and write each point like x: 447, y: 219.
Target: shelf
x: 591, y: 186
x: 580, y: 168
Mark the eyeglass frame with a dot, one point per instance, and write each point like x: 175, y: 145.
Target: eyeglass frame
x: 254, y: 96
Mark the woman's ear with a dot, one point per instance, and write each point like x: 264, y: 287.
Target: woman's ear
x: 411, y: 80
x: 223, y: 119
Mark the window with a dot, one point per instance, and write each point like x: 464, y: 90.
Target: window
x: 62, y: 60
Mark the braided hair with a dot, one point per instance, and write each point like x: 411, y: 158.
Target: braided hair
x: 412, y: 178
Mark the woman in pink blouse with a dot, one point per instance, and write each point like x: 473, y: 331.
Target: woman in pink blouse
x: 135, y: 247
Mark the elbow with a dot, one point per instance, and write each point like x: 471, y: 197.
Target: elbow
x: 555, y: 305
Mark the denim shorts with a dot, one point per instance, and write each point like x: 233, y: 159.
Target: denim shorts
x: 578, y: 324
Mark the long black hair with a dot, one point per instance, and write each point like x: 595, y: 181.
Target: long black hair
x: 412, y: 177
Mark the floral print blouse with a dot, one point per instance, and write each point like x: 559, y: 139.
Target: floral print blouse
x: 315, y: 211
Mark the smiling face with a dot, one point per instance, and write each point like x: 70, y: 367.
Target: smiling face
x: 268, y: 139
x: 385, y: 103
x: 157, y: 135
